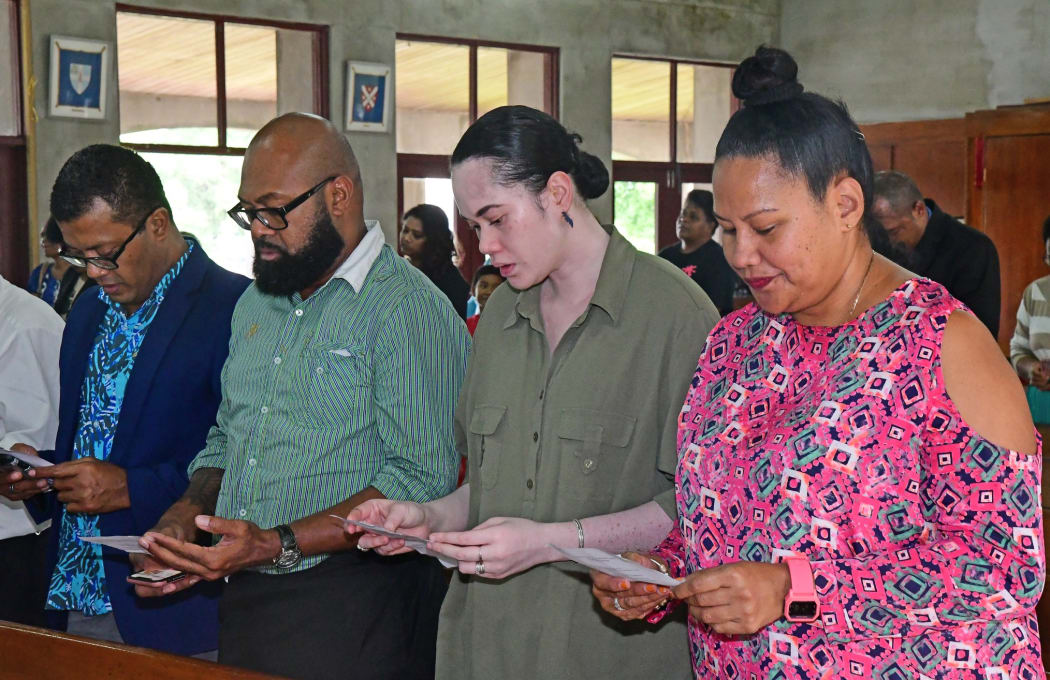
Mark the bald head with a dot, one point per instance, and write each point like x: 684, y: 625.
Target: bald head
x: 304, y: 144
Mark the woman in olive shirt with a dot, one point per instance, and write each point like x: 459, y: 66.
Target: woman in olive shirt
x: 568, y: 417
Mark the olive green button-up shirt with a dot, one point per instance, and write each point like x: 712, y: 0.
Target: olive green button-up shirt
x: 354, y: 386
x: 588, y: 431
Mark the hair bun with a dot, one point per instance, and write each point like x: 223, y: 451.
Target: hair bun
x: 771, y: 75
x: 592, y: 177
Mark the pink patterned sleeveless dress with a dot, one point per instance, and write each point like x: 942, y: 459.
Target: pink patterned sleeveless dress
x: 842, y: 445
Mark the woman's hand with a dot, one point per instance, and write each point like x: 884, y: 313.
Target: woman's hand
x: 499, y: 547
x: 736, y: 599
x: 635, y: 600
x: 400, y: 516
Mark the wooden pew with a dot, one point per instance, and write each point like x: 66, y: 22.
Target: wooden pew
x: 28, y: 653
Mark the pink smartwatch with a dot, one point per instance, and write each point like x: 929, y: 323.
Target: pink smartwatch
x: 801, y: 604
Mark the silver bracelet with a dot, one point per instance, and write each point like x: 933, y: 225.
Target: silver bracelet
x: 579, y: 531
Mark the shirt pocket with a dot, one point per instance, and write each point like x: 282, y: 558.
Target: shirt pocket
x: 487, y: 441
x: 594, y: 449
x: 332, y: 385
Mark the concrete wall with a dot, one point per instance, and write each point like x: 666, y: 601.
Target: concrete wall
x: 896, y: 60
x: 587, y: 31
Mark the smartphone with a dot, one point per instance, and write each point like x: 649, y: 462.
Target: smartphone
x: 9, y: 461
x: 158, y: 576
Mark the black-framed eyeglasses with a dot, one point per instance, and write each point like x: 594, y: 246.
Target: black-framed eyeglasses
x: 273, y: 218
x: 110, y: 261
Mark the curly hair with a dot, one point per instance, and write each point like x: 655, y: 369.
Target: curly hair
x: 438, y: 246
x: 120, y: 177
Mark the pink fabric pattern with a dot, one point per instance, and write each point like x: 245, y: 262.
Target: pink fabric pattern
x: 842, y: 445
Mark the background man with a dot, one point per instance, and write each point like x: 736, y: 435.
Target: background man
x: 345, y: 367
x: 30, y: 336
x: 140, y: 376
x: 940, y: 247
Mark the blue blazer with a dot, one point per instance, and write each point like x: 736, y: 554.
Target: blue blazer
x: 170, y: 403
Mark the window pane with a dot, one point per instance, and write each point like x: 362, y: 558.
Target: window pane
x: 634, y: 207
x: 10, y: 104
x: 703, y: 109
x: 200, y: 189
x: 166, y: 73
x: 269, y: 71
x: 432, y: 96
x: 641, y: 105
x: 511, y: 77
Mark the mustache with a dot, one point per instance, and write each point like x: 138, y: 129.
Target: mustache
x: 261, y: 243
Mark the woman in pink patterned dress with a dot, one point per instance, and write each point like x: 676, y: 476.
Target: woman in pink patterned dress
x: 858, y: 482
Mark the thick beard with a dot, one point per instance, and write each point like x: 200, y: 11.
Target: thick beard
x: 293, y: 272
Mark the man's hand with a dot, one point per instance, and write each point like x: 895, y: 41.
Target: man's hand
x: 243, y: 545
x: 87, y: 485
x: 14, y: 486
x: 140, y: 562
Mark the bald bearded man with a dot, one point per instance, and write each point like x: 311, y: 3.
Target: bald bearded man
x: 345, y: 367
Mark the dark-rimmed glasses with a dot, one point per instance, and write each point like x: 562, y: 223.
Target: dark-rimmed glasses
x: 273, y: 218
x: 110, y: 261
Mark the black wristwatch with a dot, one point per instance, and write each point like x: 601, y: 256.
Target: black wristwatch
x: 290, y: 553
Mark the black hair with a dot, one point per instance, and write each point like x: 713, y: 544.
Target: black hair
x: 527, y: 146
x: 120, y: 177
x: 485, y: 270
x: 438, y: 246
x: 51, y: 231
x: 806, y: 133
x: 705, y: 200
x: 1046, y: 229
x: 899, y: 190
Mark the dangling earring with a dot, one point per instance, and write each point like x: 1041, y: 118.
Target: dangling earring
x: 565, y: 216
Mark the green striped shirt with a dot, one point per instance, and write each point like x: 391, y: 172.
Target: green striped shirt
x: 347, y: 389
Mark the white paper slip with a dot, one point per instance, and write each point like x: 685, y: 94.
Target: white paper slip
x: 414, y: 542
x: 614, y: 565
x: 129, y: 544
x: 35, y: 461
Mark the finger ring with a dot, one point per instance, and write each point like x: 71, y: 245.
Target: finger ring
x: 362, y: 548
x: 479, y: 568
x: 616, y: 605
x: 10, y: 488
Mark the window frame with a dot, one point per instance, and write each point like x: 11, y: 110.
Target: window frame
x: 422, y: 166
x: 670, y: 175
x: 319, y: 73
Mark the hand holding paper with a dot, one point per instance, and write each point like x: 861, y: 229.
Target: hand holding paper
x: 617, y: 566
x: 413, y: 542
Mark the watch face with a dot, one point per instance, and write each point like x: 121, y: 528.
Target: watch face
x: 288, y: 558
x: 802, y: 610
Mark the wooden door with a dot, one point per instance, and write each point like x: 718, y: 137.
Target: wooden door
x: 1014, y: 205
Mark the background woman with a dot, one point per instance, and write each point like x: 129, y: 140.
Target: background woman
x: 56, y: 282
x: 698, y: 254
x: 858, y: 476
x: 567, y: 417
x: 426, y: 241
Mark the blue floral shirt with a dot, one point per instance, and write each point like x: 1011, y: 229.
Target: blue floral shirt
x: 79, y: 580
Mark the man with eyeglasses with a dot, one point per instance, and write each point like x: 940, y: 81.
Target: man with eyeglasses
x: 345, y: 367
x: 140, y: 375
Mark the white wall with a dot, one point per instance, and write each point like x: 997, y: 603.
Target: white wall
x: 895, y: 60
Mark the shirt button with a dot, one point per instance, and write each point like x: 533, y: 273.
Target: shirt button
x: 528, y: 484
x: 242, y: 512
x: 320, y: 370
x: 277, y: 360
x: 535, y: 436
x: 588, y: 464
x: 541, y: 394
x: 265, y: 409
x: 251, y: 461
x: 298, y: 312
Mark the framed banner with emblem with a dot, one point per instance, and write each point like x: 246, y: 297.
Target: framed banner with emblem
x: 79, y: 77
x: 367, y: 96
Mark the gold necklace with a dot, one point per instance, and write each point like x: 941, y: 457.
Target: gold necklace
x: 856, y: 299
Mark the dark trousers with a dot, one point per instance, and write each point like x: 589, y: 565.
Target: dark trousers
x: 23, y: 568
x: 356, y: 615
